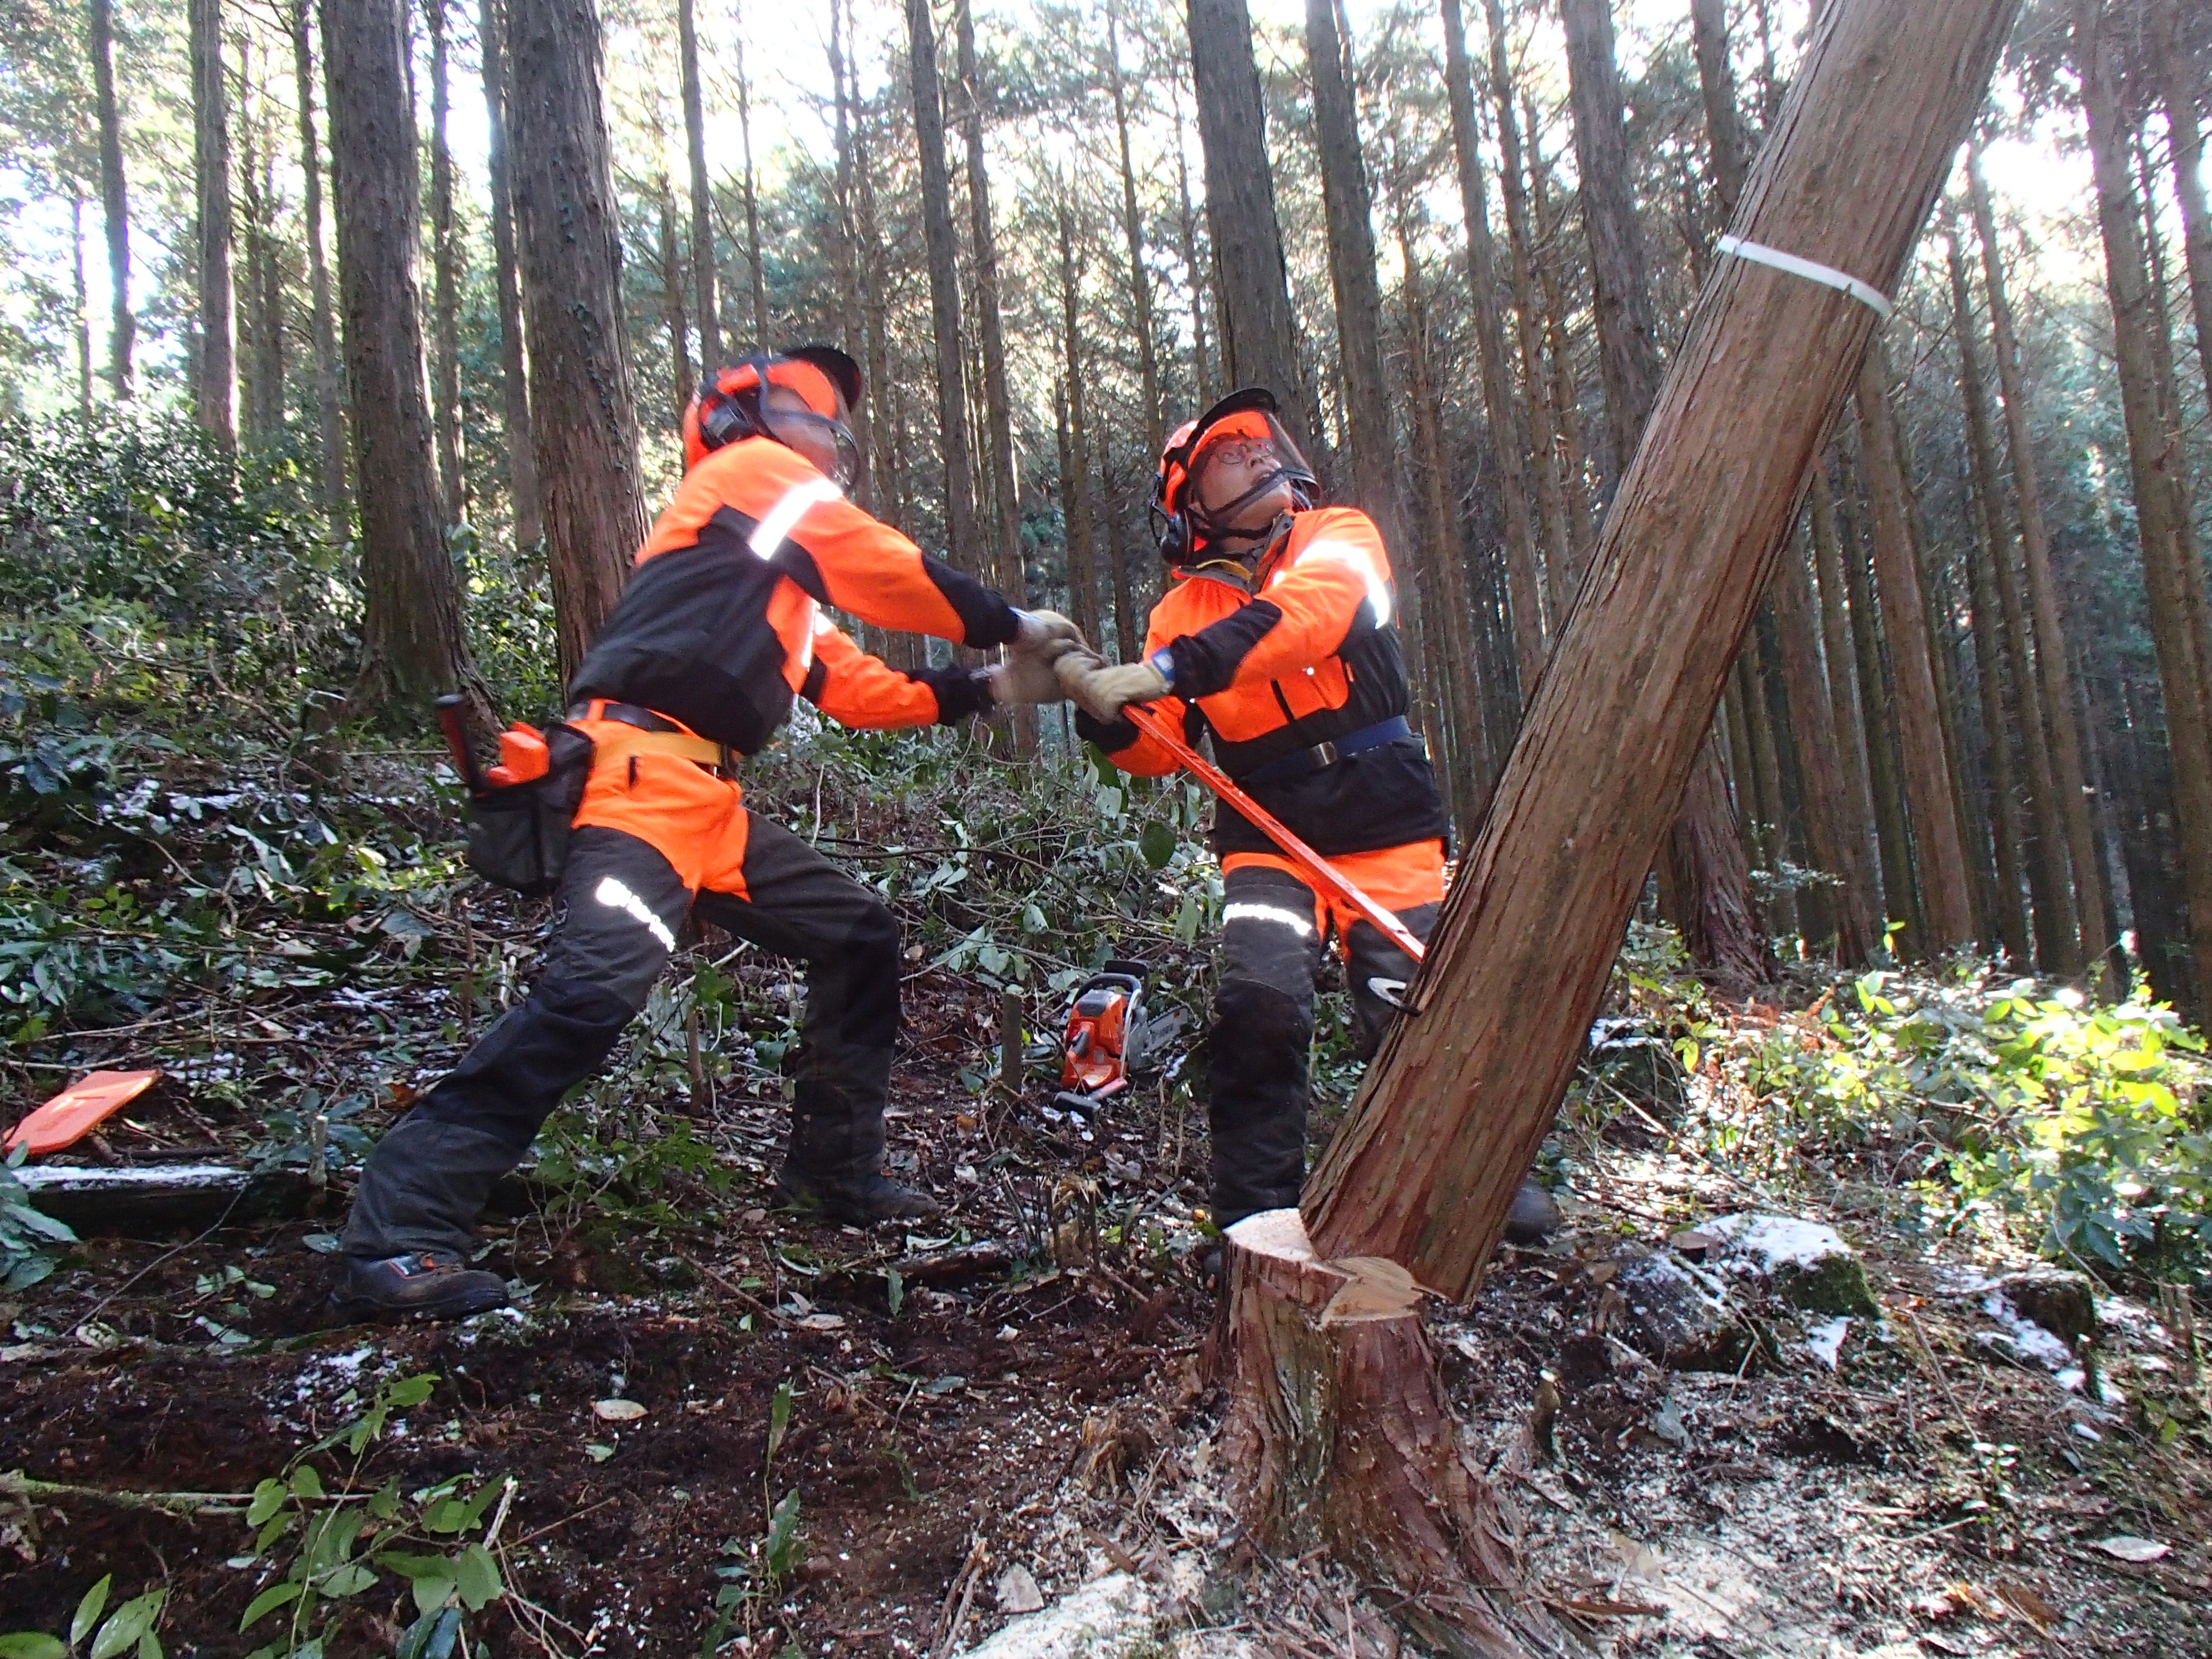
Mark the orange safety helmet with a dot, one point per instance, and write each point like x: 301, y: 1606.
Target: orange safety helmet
x: 731, y: 404
x: 1180, y: 525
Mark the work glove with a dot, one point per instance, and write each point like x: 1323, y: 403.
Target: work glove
x: 1026, y: 675
x: 1040, y: 627
x: 1101, y: 690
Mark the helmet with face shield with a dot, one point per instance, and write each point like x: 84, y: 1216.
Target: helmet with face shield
x: 822, y: 387
x: 1230, y: 472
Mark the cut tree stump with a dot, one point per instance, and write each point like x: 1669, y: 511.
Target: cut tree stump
x: 1339, y: 1436
x: 1338, y: 1430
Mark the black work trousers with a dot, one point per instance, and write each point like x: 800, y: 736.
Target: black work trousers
x: 622, y: 903
x: 1259, y: 1046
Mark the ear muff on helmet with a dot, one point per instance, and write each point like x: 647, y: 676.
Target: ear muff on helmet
x: 1179, y: 525
x: 732, y: 404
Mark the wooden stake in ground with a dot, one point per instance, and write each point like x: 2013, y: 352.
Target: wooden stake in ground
x: 1331, y: 1419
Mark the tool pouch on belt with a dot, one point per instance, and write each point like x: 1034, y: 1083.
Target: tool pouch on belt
x: 519, y: 832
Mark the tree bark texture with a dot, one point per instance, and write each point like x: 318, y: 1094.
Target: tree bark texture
x: 1423, y: 1168
x: 1201, y: 365
x: 583, y: 411
x: 702, y: 194
x: 1900, y: 893
x: 1338, y: 1435
x: 446, y: 261
x: 1509, y: 437
x: 998, y: 404
x: 1259, y: 344
x: 1365, y: 387
x: 1724, y: 137
x: 1939, y: 852
x: 215, y: 379
x: 2173, y: 577
x: 413, y: 646
x: 114, y: 198
x: 964, y: 545
x: 1848, y: 727
x: 1075, y: 465
x: 750, y: 186
x: 329, y: 425
x: 1133, y: 233
x: 525, y: 503
x: 2001, y: 699
x: 2054, y: 694
x: 2182, y: 85
x: 1628, y: 351
x: 1833, y: 834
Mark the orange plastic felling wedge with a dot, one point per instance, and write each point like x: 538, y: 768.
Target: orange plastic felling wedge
x: 78, y: 1110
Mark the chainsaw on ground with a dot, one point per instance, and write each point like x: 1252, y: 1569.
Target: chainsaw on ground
x: 1110, y: 1037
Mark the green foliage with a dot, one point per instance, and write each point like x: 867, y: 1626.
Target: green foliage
x: 28, y: 1237
x: 129, y: 1629
x: 334, y: 1547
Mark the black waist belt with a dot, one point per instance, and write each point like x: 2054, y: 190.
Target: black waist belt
x: 1321, y: 756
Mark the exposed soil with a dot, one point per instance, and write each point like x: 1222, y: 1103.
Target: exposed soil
x: 1933, y: 1493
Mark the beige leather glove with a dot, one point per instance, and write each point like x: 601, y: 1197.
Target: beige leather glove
x: 1041, y: 627
x: 1026, y: 674
x: 1101, y: 690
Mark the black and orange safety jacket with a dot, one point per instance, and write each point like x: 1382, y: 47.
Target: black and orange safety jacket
x: 1294, y: 668
x: 721, y: 625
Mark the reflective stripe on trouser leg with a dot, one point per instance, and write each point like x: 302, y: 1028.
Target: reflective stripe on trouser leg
x: 797, y: 903
x: 621, y: 904
x: 1379, y: 972
x: 1256, y: 1050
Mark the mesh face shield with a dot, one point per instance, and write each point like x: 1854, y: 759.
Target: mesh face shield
x: 1216, y: 468
x: 737, y: 404
x: 813, y: 434
x: 1239, y: 460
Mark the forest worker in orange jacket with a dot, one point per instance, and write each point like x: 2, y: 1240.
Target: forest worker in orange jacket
x: 1277, y: 639
x: 721, y: 625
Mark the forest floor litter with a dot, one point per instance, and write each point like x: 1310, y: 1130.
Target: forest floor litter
x: 987, y: 1417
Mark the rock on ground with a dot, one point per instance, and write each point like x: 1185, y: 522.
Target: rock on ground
x: 1805, y: 1263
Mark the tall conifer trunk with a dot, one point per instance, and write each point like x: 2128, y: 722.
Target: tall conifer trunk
x: 329, y: 425
x: 114, y: 198
x: 964, y: 543
x: 583, y: 409
x: 215, y: 368
x: 525, y: 501
x: 446, y: 261
x: 413, y: 646
x: 702, y: 196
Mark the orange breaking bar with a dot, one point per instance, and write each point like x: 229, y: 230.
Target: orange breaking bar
x: 1324, y: 873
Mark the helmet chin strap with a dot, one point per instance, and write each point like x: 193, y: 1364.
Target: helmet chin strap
x: 1216, y: 526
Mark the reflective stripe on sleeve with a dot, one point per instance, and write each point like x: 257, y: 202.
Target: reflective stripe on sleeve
x: 770, y: 534
x: 1346, y: 553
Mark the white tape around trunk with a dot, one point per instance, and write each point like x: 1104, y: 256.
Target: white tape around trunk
x: 1812, y: 272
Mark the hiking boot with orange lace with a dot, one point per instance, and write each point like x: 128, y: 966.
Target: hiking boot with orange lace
x: 429, y: 1284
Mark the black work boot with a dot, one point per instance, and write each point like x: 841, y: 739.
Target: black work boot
x: 865, y: 1203
x: 426, y: 1283
x: 1534, y: 1218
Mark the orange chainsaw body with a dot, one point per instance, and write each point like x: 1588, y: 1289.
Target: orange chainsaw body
x: 1105, y: 1014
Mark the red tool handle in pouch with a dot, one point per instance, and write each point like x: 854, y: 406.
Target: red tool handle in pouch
x: 449, y: 709
x: 1324, y: 874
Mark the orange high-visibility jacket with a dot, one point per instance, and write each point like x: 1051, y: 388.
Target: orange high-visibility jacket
x: 1278, y: 665
x: 722, y: 623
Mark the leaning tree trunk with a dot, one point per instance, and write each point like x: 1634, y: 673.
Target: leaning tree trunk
x: 412, y: 644
x: 583, y: 412
x: 214, y: 377
x: 1334, y: 1408
x: 115, y: 199
x: 961, y: 537
x: 1258, y: 344
x: 1704, y: 880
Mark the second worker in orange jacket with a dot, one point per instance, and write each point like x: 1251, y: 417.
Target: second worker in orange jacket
x: 1277, y: 640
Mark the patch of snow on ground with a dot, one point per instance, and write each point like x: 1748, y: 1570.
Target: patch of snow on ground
x: 331, y: 1373
x: 2028, y: 1340
x: 1825, y: 1341
x: 1775, y: 1240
